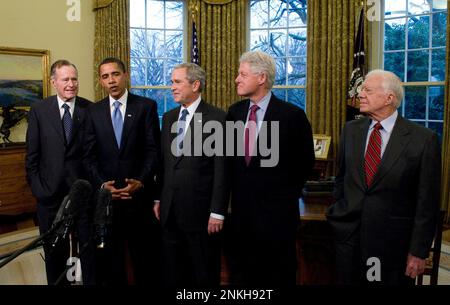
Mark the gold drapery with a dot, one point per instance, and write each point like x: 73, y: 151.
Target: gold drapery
x: 330, y: 34
x: 445, y: 194
x: 221, y: 33
x: 112, y: 35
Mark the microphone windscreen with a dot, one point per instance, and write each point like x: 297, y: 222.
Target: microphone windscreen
x: 79, y: 194
x: 103, y: 199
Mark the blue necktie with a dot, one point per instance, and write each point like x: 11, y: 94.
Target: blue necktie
x: 117, y: 122
x: 67, y: 122
x: 181, y: 127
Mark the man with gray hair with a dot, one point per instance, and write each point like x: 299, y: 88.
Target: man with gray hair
x: 265, y: 199
x: 194, y: 197
x: 387, y: 190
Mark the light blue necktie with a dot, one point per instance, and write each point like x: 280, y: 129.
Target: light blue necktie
x: 67, y: 122
x: 117, y: 122
x: 181, y: 127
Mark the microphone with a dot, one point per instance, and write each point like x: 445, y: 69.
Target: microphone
x: 78, y: 197
x: 103, y: 216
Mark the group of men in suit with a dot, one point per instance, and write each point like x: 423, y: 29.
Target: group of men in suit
x: 170, y: 200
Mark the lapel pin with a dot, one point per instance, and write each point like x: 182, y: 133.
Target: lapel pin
x: 129, y: 115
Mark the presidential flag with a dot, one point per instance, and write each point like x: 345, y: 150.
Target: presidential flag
x: 358, y: 73
x: 195, y: 58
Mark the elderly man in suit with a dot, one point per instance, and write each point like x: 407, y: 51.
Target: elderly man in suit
x: 54, y: 161
x: 387, y: 190
x: 121, y: 155
x: 265, y: 195
x: 193, y: 200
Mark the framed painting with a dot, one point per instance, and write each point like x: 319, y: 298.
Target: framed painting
x: 321, y: 146
x: 24, y: 80
x: 24, y: 76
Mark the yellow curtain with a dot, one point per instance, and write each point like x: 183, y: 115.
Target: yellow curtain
x: 445, y: 197
x: 331, y: 35
x: 112, y: 35
x: 221, y: 30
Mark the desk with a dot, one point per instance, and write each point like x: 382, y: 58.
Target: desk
x: 315, y: 249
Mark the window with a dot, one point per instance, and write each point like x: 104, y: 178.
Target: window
x: 414, y: 49
x: 278, y: 27
x: 156, y: 38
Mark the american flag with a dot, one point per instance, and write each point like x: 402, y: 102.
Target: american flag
x: 195, y: 58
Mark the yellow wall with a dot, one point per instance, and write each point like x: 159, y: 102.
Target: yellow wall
x: 42, y: 24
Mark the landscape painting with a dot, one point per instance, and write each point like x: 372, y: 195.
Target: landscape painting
x: 23, y: 76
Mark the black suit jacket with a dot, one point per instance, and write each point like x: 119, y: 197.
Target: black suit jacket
x: 396, y: 214
x: 264, y: 200
x: 51, y: 164
x: 193, y: 186
x: 137, y: 156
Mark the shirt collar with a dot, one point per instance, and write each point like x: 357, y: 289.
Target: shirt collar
x: 61, y: 102
x: 388, y: 123
x: 122, y: 99
x: 192, y: 107
x: 263, y: 103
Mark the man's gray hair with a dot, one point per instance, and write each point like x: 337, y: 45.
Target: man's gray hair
x: 392, y: 83
x: 261, y: 62
x: 58, y: 64
x: 193, y: 72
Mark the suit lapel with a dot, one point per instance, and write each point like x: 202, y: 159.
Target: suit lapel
x: 194, y: 132
x: 107, y: 121
x: 172, y: 118
x: 55, y: 117
x: 397, y: 143
x: 359, y: 140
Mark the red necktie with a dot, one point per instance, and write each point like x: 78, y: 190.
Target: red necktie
x: 373, y: 154
x: 251, y: 130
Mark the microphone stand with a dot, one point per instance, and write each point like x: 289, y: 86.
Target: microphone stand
x: 32, y: 245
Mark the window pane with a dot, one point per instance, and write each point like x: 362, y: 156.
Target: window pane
x: 418, y: 7
x: 137, y: 13
x: 439, y: 29
x: 259, y: 40
x: 140, y: 92
x: 395, y: 62
x: 158, y: 96
x: 277, y: 43
x: 259, y: 15
x: 296, y: 68
x: 155, y: 14
x: 174, y: 15
x: 174, y: 44
x: 137, y: 66
x: 415, y: 99
x: 155, y: 40
x: 438, y: 65
x: 297, y: 13
x: 436, y: 103
x: 155, y: 72
x: 439, y: 5
x: 394, y: 31
x: 417, y: 66
x: 297, y: 42
x: 138, y: 43
x: 437, y: 128
x: 280, y: 93
x: 394, y: 8
x: 280, y: 78
x: 418, y: 32
x: 277, y: 13
x: 297, y: 97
